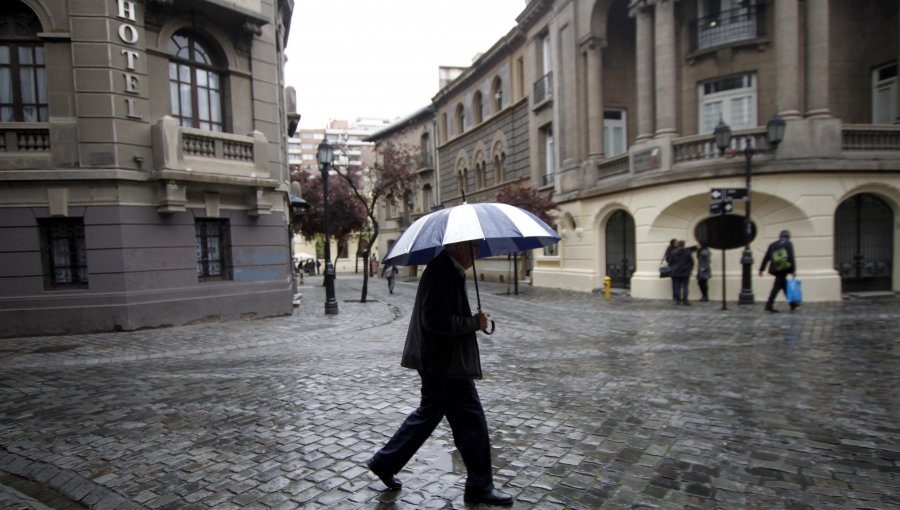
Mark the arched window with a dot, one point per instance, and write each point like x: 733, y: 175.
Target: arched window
x: 460, y: 118
x: 478, y: 107
x: 497, y: 94
x: 195, y: 83
x: 498, y: 168
x: 23, y: 82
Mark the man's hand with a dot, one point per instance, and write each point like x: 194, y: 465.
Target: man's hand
x: 483, y: 320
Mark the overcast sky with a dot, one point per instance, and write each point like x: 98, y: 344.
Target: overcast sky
x: 380, y: 58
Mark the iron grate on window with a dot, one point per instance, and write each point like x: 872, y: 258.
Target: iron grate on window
x: 213, y: 247
x: 63, y: 253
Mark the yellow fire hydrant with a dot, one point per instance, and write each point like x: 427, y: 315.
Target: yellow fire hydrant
x: 607, y: 287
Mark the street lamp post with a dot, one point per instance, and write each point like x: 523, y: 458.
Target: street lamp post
x: 325, y: 156
x: 774, y: 135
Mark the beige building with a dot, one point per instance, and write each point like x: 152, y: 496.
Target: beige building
x: 613, y: 103
x: 143, y: 175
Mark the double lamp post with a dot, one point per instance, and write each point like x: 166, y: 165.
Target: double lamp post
x: 774, y: 135
x: 325, y: 157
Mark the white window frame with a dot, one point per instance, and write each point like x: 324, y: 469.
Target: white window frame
x: 727, y: 99
x: 610, y: 127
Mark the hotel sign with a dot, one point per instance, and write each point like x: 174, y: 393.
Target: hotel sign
x: 129, y: 35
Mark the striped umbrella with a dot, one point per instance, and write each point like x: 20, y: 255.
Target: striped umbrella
x: 501, y: 228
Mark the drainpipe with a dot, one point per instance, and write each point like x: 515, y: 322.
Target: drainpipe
x: 437, y: 163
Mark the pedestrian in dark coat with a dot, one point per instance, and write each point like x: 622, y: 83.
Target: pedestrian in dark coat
x: 682, y: 265
x: 780, y: 260
x: 441, y: 345
x: 667, y: 256
x: 704, y: 271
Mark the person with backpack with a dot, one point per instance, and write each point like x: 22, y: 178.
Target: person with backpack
x: 780, y: 259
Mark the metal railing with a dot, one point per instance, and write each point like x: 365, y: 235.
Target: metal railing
x: 543, y: 88
x: 726, y: 27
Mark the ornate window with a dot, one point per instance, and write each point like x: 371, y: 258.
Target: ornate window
x: 23, y: 81
x: 63, y: 253
x: 213, y: 243
x: 195, y: 83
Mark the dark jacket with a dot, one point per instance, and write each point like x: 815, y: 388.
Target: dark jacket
x: 441, y: 337
x: 682, y: 263
x: 789, y: 247
x: 704, y: 264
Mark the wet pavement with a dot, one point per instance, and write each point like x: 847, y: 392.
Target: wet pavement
x: 627, y: 404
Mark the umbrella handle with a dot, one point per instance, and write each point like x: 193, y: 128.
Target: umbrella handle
x: 493, y: 327
x: 477, y: 294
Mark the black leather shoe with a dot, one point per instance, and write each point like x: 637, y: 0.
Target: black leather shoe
x: 392, y: 482
x: 494, y: 497
x: 771, y: 310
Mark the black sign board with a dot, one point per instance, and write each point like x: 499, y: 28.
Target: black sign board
x: 723, y: 207
x: 716, y: 194
x: 723, y: 232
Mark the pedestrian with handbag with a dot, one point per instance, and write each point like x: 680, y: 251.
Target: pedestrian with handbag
x: 682, y: 266
x: 781, y: 262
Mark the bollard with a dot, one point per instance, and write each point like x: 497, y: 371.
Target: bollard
x: 607, y: 287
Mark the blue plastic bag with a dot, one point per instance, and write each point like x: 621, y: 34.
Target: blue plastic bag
x: 794, y: 291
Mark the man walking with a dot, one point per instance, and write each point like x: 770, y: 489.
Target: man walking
x: 780, y: 259
x: 682, y: 264
x: 441, y: 345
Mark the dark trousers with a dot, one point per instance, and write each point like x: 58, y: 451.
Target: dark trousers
x: 680, y: 288
x: 390, y: 280
x: 457, y: 399
x: 780, y: 285
x: 704, y: 288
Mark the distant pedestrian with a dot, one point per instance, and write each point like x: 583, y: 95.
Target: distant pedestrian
x: 682, y: 263
x: 704, y: 271
x: 318, y: 266
x: 390, y: 272
x: 373, y: 265
x: 667, y: 256
x: 780, y: 259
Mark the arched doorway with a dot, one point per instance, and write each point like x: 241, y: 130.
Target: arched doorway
x: 864, y: 243
x: 620, y: 259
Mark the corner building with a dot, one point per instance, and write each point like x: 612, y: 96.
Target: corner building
x: 143, y: 174
x: 626, y: 95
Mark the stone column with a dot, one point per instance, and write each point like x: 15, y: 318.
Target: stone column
x: 594, y: 50
x: 787, y: 58
x: 664, y: 35
x: 817, y: 20
x: 644, y: 69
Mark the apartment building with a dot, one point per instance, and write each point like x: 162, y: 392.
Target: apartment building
x: 613, y: 105
x: 143, y: 170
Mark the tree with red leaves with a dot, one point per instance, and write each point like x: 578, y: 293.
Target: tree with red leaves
x: 531, y: 200
x: 346, y: 215
x: 391, y: 181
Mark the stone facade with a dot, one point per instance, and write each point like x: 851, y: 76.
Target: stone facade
x: 116, y: 210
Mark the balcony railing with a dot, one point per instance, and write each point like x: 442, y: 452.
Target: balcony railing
x: 425, y: 161
x: 215, y: 155
x: 543, y: 88
x: 547, y: 179
x: 182, y: 154
x: 868, y: 137
x: 699, y: 147
x: 726, y: 27
x: 21, y: 137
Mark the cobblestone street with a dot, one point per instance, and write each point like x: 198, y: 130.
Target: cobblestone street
x: 627, y: 404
